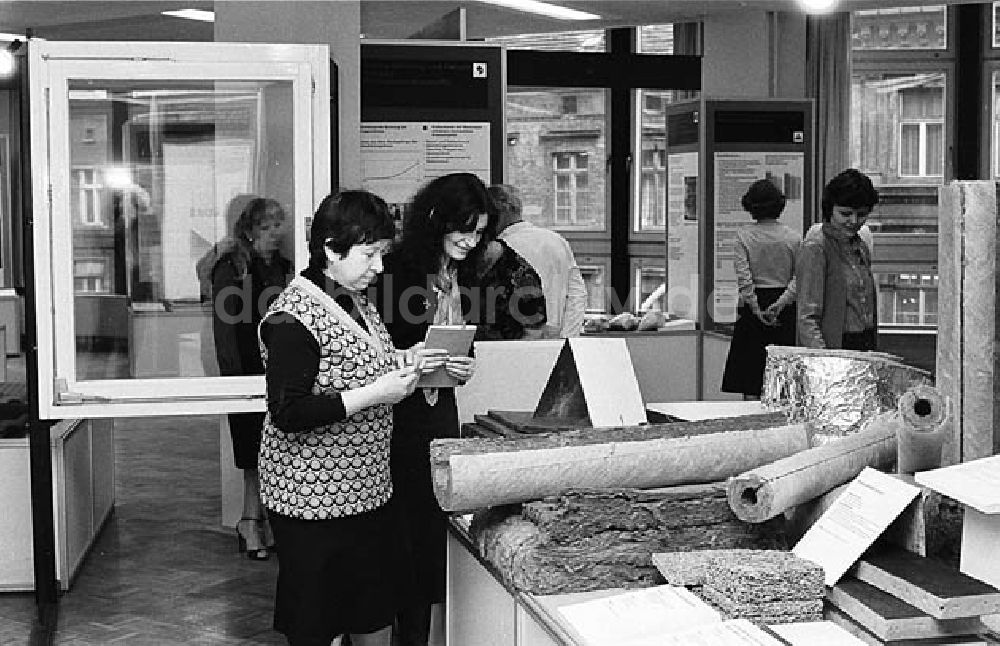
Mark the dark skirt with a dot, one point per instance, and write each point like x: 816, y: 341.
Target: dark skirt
x: 744, y: 371
x: 245, y: 430
x: 425, y: 525
x: 337, y: 576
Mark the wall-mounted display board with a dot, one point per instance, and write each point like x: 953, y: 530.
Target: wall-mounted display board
x: 143, y: 156
x: 716, y: 148
x: 429, y: 109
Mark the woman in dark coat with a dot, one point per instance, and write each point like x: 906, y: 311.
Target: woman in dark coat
x: 245, y: 279
x: 444, y: 270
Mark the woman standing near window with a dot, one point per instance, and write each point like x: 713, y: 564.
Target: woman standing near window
x: 764, y: 263
x: 837, y: 292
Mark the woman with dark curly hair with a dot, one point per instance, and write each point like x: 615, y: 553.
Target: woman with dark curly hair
x: 447, y: 268
x: 837, y: 291
x: 764, y: 263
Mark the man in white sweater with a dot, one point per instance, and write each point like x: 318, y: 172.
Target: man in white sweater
x: 550, y: 255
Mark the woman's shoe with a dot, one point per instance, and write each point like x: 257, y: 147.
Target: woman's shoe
x: 248, y: 527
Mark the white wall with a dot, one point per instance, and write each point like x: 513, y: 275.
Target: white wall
x: 337, y: 24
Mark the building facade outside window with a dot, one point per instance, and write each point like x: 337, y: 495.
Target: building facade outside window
x: 903, y: 65
x: 572, y: 189
x: 90, y: 276
x: 87, y: 196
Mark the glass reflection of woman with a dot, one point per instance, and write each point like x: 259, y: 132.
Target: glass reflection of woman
x: 245, y: 279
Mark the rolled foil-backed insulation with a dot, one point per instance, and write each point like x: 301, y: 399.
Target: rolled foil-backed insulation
x: 836, y: 391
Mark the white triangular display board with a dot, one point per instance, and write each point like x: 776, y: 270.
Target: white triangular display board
x: 600, y: 373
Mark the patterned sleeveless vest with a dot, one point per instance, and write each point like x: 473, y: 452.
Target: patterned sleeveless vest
x: 342, y: 468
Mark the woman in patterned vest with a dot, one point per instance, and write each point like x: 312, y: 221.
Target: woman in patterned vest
x: 332, y: 378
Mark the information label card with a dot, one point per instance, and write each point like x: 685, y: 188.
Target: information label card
x: 975, y: 483
x: 638, y: 615
x: 852, y: 523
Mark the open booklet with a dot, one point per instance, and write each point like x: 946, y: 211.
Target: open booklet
x: 457, y: 341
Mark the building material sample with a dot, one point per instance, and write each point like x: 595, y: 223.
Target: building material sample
x: 539, y: 550
x: 766, y: 612
x: 765, y: 576
x: 769, y: 490
x: 935, y: 588
x: 890, y: 618
x: 474, y: 473
x: 836, y: 391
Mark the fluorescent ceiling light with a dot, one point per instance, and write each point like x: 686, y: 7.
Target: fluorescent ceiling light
x: 817, y: 6
x: 192, y: 14
x: 544, y: 9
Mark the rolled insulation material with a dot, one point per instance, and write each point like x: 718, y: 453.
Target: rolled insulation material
x: 836, y: 391
x: 925, y: 426
x: 765, y: 492
x: 474, y: 473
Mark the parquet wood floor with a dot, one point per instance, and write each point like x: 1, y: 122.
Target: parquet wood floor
x: 163, y: 570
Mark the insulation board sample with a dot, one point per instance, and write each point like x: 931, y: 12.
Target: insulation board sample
x: 933, y: 587
x: 888, y: 617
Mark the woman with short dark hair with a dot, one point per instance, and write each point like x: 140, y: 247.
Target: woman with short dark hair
x: 332, y: 378
x: 837, y: 291
x: 765, y: 263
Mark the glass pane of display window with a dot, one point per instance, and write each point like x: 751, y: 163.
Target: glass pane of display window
x: 177, y: 180
x: 648, y: 295
x: 900, y: 28
x: 908, y: 299
x: 160, y: 180
x: 587, y: 40
x: 556, y: 157
x: 898, y: 139
x: 594, y: 278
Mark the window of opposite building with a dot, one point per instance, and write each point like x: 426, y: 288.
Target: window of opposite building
x: 902, y: 98
x: 564, y: 110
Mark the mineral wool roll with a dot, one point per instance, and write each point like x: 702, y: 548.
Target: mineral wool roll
x: 924, y: 425
x: 474, y: 473
x: 766, y: 491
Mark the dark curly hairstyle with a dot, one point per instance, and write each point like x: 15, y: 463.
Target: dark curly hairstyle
x: 449, y: 203
x: 345, y: 219
x: 848, y: 188
x: 763, y: 200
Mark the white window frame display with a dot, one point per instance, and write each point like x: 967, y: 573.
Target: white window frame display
x: 53, y: 66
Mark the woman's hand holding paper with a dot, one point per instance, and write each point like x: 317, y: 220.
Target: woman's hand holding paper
x: 461, y: 368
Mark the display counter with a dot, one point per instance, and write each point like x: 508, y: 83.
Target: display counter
x: 482, y: 609
x: 83, y: 495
